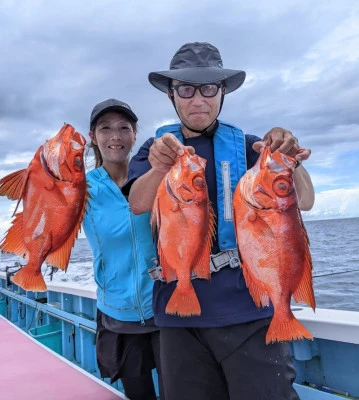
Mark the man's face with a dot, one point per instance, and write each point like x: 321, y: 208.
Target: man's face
x: 197, y: 112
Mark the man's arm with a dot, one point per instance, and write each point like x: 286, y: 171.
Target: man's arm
x: 304, y: 188
x: 282, y: 140
x: 162, y: 156
x: 143, y: 191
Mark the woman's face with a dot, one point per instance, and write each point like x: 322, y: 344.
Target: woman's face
x: 114, y: 136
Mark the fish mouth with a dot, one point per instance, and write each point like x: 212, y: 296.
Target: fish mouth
x: 78, y: 165
x: 260, y: 189
x: 179, y: 199
x: 47, y: 168
x: 253, y: 203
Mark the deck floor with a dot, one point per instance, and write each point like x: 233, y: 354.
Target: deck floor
x: 30, y: 371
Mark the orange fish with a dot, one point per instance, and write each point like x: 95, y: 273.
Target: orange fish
x: 273, y: 243
x: 53, y: 191
x: 184, y: 219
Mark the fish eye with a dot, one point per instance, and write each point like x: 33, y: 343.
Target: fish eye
x: 198, y: 183
x: 282, y: 187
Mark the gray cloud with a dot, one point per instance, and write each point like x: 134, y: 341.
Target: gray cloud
x: 60, y: 59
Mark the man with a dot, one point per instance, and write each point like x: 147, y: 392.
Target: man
x: 220, y: 354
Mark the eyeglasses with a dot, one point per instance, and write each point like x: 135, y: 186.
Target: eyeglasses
x: 186, y: 91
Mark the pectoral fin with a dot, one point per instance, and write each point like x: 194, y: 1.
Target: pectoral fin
x: 13, y: 241
x: 13, y: 185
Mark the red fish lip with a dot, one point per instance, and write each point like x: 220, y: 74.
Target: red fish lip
x: 260, y: 189
x: 46, y: 167
x: 253, y: 203
x: 171, y: 194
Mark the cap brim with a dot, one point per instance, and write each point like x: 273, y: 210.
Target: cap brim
x: 233, y: 79
x: 121, y: 109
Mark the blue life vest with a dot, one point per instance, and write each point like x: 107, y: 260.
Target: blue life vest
x: 229, y: 151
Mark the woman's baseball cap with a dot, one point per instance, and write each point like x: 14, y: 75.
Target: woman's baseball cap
x: 197, y: 63
x: 111, y: 105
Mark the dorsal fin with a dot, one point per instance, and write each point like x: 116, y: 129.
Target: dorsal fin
x: 304, y: 291
x: 202, y: 267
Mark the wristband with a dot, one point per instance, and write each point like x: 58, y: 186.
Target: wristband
x: 297, y: 164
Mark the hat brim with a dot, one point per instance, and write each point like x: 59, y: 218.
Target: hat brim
x: 120, y: 109
x: 233, y: 79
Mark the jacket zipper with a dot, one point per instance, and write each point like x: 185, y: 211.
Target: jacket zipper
x: 134, y: 246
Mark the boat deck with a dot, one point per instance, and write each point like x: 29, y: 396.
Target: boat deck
x: 29, y: 370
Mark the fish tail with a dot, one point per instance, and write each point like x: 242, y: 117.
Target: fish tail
x: 283, y: 330
x: 27, y: 279
x: 183, y: 302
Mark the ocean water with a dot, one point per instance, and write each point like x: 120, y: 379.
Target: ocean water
x: 334, y: 245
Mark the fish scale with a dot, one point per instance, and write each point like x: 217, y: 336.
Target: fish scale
x: 53, y: 192
x: 184, y: 220
x: 273, y: 243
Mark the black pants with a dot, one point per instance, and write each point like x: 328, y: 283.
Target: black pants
x: 225, y: 363
x: 131, y: 358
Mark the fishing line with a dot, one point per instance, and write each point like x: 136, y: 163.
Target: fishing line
x: 336, y: 273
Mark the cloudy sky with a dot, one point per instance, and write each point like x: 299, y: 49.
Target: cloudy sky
x: 59, y: 58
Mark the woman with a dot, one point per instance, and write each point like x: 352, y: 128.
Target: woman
x: 127, y: 341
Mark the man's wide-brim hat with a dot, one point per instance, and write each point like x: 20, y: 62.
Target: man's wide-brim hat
x: 197, y: 63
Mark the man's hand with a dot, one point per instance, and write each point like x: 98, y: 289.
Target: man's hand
x: 164, y: 151
x: 282, y: 140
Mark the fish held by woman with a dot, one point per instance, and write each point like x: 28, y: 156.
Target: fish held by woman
x: 184, y: 219
x: 53, y: 192
x: 273, y: 243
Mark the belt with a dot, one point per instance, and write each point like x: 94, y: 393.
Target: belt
x: 228, y: 258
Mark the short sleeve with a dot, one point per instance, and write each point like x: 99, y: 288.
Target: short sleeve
x: 252, y: 156
x: 139, y: 165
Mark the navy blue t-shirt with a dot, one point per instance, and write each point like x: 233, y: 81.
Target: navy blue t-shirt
x: 224, y: 299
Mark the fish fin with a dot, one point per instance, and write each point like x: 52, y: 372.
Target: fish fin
x: 168, y: 273
x: 304, y: 291
x: 212, y: 225
x: 13, y: 241
x: 202, y: 268
x: 304, y: 230
x: 60, y: 258
x: 155, y: 217
x: 258, y: 293
x: 13, y: 185
x: 286, y: 330
x: 29, y: 280
x: 183, y: 302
